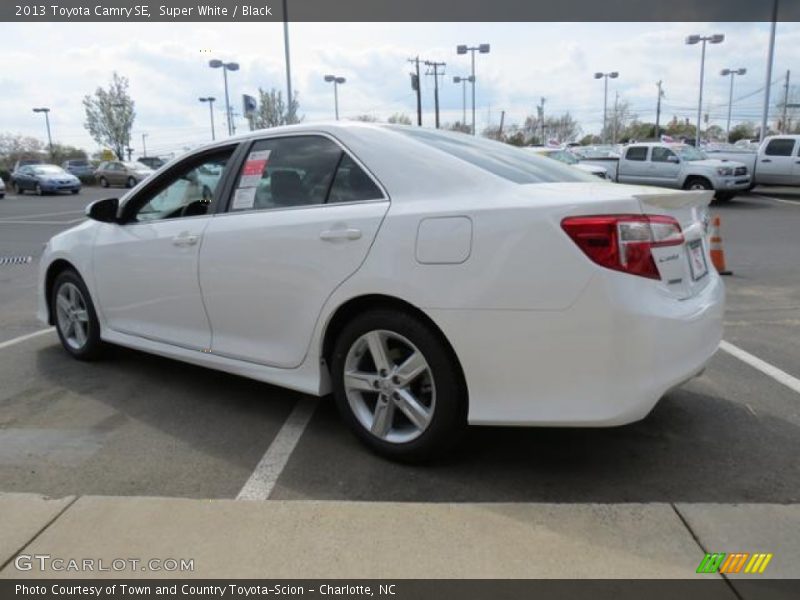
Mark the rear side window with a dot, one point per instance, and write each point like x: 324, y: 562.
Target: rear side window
x: 780, y: 147
x: 636, y: 153
x: 299, y: 171
x: 352, y: 184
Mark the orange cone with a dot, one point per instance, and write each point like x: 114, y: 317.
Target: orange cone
x: 717, y: 253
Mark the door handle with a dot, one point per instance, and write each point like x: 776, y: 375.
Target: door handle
x: 766, y: 160
x: 184, y: 239
x: 332, y: 235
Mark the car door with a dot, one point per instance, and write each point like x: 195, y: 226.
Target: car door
x: 22, y: 178
x: 633, y: 166
x: 665, y: 166
x: 145, y: 267
x: 776, y: 164
x: 796, y: 167
x: 300, y: 221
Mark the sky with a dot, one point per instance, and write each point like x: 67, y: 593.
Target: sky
x: 57, y: 64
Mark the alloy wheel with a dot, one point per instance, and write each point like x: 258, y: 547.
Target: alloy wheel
x: 389, y: 386
x: 72, y: 316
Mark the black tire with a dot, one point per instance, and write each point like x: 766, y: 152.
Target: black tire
x: 38, y: 190
x: 76, y: 191
x: 17, y: 190
x: 131, y: 182
x: 103, y: 182
x: 698, y: 183
x: 724, y: 196
x: 448, y: 420
x: 93, y: 347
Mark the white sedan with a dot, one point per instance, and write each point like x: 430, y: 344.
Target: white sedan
x: 429, y: 280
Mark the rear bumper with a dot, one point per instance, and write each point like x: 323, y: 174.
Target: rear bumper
x: 605, y: 361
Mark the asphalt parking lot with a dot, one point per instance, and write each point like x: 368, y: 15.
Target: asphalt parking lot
x: 145, y: 426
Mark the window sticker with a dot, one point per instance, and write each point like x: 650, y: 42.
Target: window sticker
x: 253, y: 169
x: 244, y: 198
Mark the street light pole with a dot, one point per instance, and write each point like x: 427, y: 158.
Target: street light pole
x: 770, y: 55
x: 144, y: 145
x: 210, y: 100
x: 231, y: 66
x: 463, y: 49
x: 605, y: 76
x: 288, y: 62
x: 335, y: 80
x: 463, y: 81
x: 717, y: 38
x: 46, y: 112
x: 732, y: 73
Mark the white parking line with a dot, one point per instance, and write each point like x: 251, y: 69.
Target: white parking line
x: 270, y: 467
x: 780, y: 376
x: 70, y: 222
x: 25, y: 337
x: 52, y: 214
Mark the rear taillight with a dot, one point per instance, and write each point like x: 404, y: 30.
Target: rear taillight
x: 624, y: 242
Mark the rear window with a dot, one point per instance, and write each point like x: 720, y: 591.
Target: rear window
x: 636, y: 153
x: 78, y: 163
x: 514, y: 164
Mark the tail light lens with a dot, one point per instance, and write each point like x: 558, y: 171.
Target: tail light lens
x: 624, y: 242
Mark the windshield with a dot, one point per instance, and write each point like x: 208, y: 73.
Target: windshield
x: 514, y: 164
x: 48, y: 170
x: 690, y: 153
x: 78, y: 163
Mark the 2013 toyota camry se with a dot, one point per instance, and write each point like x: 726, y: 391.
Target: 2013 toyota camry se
x: 429, y: 280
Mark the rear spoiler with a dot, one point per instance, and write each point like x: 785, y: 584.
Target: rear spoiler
x: 681, y: 199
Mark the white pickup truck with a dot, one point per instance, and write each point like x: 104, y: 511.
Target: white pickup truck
x: 776, y: 162
x: 677, y: 166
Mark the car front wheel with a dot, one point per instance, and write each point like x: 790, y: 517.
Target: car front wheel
x: 75, y: 317
x: 103, y: 182
x: 131, y: 182
x: 17, y: 189
x: 398, y: 386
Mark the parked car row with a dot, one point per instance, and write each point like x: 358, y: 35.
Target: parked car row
x: 33, y: 175
x: 727, y: 171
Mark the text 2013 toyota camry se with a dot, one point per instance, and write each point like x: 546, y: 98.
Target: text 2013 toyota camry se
x: 427, y: 279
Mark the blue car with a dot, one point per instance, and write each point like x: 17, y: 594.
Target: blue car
x: 80, y: 167
x: 44, y: 179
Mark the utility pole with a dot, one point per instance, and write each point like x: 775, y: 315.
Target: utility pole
x: 415, y: 85
x: 616, y: 104
x: 435, y: 66
x: 502, y: 120
x: 784, y: 128
x: 658, y: 111
x: 287, y: 59
x: 144, y: 146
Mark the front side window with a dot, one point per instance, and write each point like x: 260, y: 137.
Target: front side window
x: 779, y: 147
x: 189, y: 193
x: 661, y: 154
x: 299, y: 171
x: 636, y: 153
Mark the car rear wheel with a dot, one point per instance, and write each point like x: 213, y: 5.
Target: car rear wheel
x: 131, y: 182
x: 398, y: 386
x: 18, y: 190
x: 75, y: 317
x: 103, y: 182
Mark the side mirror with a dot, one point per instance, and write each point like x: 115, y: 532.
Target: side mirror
x: 673, y: 159
x: 104, y: 211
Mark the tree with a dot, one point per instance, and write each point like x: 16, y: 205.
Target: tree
x: 591, y: 140
x: 680, y: 129
x: 366, y: 118
x: 14, y: 147
x: 400, y: 119
x: 620, y: 116
x: 562, y: 129
x: 458, y: 126
x: 110, y: 114
x: 273, y: 110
